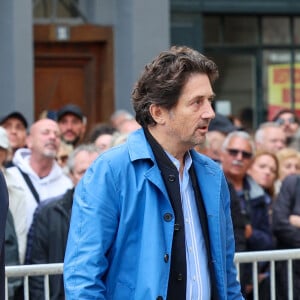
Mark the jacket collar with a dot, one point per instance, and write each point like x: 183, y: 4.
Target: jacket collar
x: 138, y: 146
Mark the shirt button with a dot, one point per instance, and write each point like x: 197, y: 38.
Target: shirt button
x: 171, y: 178
x: 166, y: 258
x: 179, y: 277
x: 168, y: 217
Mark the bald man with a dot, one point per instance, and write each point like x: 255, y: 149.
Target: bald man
x: 36, y: 170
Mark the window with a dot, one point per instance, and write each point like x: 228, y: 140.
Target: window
x: 250, y: 51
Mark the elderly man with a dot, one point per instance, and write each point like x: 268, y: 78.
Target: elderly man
x: 270, y: 137
x: 72, y: 124
x: 236, y: 157
x: 36, y: 170
x: 47, y: 243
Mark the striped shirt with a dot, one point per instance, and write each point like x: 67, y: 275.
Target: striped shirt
x: 198, y: 280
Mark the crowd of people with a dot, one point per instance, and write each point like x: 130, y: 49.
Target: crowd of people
x: 43, y: 164
x: 262, y: 169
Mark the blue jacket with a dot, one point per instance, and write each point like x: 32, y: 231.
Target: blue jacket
x: 118, y: 235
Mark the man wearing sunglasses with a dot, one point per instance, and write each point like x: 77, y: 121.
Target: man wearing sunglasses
x: 236, y: 157
x: 288, y: 120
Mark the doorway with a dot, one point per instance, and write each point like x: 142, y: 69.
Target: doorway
x: 74, y: 64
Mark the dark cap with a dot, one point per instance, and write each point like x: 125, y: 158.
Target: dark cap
x: 70, y: 109
x: 15, y: 115
x: 222, y: 124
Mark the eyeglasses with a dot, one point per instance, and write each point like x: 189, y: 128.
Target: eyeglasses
x: 235, y: 152
x: 282, y: 121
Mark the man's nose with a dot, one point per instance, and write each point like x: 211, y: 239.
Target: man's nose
x: 208, y: 112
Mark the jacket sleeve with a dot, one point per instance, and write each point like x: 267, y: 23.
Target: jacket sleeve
x: 232, y: 285
x: 94, y: 222
x: 37, y: 253
x: 239, y: 220
x: 287, y: 235
x: 261, y: 238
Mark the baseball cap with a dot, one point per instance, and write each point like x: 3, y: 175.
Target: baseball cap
x: 15, y: 115
x: 70, y: 109
x: 222, y: 124
x: 4, y: 142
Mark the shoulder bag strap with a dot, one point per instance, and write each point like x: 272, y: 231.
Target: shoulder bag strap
x: 30, y: 185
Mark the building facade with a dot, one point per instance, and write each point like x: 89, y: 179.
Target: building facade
x: 106, y: 43
x: 256, y: 46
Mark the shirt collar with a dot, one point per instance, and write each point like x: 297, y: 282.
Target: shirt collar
x: 175, y: 161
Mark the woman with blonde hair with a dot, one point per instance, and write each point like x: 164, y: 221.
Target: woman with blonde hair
x: 289, y: 164
x: 264, y: 170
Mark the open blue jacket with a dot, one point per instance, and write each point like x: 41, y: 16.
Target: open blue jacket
x: 118, y: 235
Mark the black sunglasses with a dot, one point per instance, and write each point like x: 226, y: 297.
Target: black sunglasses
x: 282, y: 121
x: 235, y: 152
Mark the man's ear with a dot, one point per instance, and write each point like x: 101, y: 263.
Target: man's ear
x: 158, y: 113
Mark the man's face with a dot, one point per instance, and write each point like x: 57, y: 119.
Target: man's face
x: 289, y: 166
x: 82, y: 161
x: 214, y: 141
x: 72, y: 129
x: 236, y: 158
x: 103, y: 142
x: 187, y: 123
x: 274, y: 139
x: 288, y: 123
x: 16, y: 132
x: 44, y: 138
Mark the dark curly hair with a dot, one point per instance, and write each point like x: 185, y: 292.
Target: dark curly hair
x: 164, y: 78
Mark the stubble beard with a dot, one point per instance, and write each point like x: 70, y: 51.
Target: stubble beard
x: 50, y: 153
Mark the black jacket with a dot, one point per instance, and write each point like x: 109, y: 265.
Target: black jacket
x: 3, y: 215
x: 239, y: 220
x: 47, y: 243
x: 287, y: 235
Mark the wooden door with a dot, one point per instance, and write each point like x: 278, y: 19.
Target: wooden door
x: 77, y: 70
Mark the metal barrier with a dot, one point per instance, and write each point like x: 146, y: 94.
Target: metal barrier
x: 269, y: 256
x: 240, y: 258
x: 32, y: 270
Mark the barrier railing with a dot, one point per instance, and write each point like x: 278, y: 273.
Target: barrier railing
x: 32, y: 270
x: 45, y: 270
x: 268, y: 256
